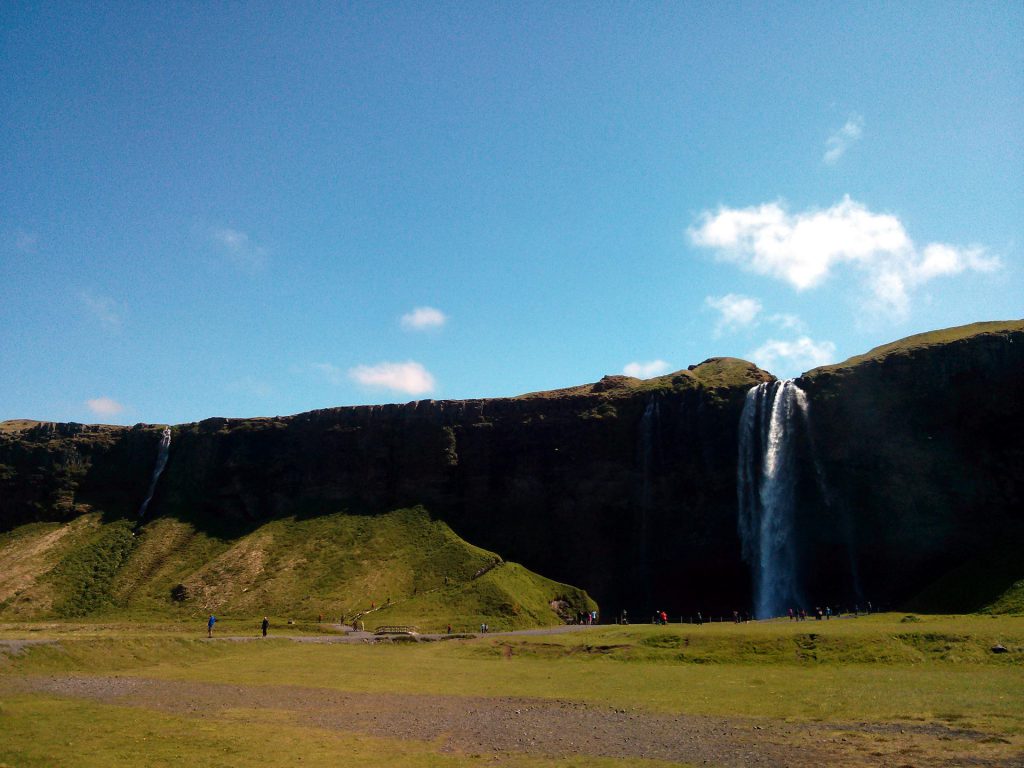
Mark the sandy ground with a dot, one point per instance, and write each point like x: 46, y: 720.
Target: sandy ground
x: 553, y: 728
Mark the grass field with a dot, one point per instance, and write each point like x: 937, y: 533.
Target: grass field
x: 884, y: 689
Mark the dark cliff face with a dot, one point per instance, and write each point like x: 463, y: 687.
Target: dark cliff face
x: 578, y: 485
x: 920, y: 444
x: 625, y: 487
x: 913, y: 464
x: 55, y: 472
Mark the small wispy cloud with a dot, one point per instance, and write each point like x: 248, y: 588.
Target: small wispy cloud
x: 240, y: 250
x: 423, y: 318
x: 804, y: 248
x: 332, y: 373
x: 646, y: 370
x: 108, y: 311
x: 787, y: 322
x: 843, y: 139
x: 408, y: 377
x: 735, y: 311
x: 789, y: 358
x: 104, y: 407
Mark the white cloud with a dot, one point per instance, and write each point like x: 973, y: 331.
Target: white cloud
x: 788, y: 322
x: 423, y: 318
x: 241, y: 251
x: 736, y: 311
x: 109, y: 312
x: 639, y: 370
x: 409, y: 377
x: 788, y: 358
x: 104, y: 406
x: 841, y: 140
x: 804, y: 248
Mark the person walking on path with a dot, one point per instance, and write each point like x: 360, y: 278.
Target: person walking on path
x: 209, y: 625
x: 265, y: 625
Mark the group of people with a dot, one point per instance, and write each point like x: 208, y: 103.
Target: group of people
x: 586, y: 617
x: 800, y: 614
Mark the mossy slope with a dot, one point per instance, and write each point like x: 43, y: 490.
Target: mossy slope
x: 398, y: 568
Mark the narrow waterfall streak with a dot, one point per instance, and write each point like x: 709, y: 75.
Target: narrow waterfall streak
x: 648, y: 438
x: 766, y: 488
x: 161, y: 462
x: 647, y: 426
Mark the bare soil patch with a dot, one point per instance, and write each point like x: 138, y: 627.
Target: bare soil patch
x: 555, y: 728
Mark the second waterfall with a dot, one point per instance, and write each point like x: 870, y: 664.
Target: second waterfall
x: 770, y: 424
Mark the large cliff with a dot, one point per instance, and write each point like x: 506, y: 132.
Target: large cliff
x: 626, y: 488
x: 921, y: 443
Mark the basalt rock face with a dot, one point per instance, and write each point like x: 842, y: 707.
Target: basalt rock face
x: 912, y: 464
x: 626, y: 487
x: 54, y: 472
x: 920, y: 447
x: 577, y: 484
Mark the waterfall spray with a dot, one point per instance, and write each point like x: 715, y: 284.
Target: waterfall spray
x: 161, y: 462
x: 766, y: 485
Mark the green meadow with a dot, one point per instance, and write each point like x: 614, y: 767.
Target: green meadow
x: 894, y: 670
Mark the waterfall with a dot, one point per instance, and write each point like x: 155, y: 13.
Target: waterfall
x: 766, y: 485
x: 161, y: 462
x: 648, y: 424
x: 647, y: 458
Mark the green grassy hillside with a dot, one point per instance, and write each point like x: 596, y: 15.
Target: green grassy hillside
x: 922, y: 341
x: 397, y: 568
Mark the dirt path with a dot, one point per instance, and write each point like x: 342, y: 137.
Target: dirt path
x: 554, y: 728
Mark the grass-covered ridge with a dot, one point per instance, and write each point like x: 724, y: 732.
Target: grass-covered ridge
x: 397, y: 568
x: 714, y: 373
x: 923, y: 341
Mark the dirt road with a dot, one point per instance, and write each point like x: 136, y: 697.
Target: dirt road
x: 553, y: 728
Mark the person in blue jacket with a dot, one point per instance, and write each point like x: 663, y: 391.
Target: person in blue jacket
x: 209, y: 625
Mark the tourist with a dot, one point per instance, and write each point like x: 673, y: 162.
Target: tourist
x: 265, y: 625
x: 209, y: 625
x: 700, y: 619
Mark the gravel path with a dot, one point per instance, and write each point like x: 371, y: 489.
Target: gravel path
x: 553, y: 728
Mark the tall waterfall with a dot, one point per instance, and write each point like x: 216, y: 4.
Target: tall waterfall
x: 161, y: 462
x: 766, y: 484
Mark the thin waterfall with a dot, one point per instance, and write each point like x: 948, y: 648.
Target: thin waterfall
x: 648, y: 423
x: 161, y: 462
x: 766, y: 485
x: 646, y: 454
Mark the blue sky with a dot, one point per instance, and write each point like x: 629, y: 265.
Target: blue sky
x: 256, y: 209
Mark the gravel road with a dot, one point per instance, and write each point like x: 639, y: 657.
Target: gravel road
x: 552, y: 728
